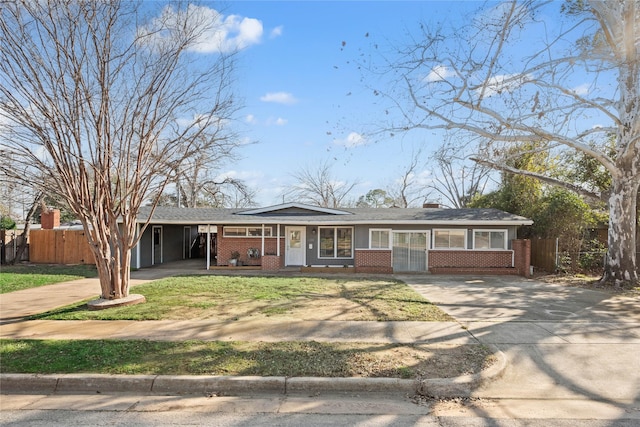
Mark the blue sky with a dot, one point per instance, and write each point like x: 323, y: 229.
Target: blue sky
x: 304, y: 99
x: 306, y: 102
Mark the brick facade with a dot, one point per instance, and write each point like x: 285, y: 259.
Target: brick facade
x: 522, y: 257
x: 373, y: 261
x: 272, y: 262
x: 469, y: 258
x: 227, y: 245
x: 516, y: 261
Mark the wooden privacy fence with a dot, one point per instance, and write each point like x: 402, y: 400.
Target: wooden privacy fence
x: 544, y: 254
x: 59, y: 247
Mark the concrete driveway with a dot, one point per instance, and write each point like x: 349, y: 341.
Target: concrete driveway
x: 561, y: 342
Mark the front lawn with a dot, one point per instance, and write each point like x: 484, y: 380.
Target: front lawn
x: 299, y: 359
x: 230, y: 298
x: 18, y: 277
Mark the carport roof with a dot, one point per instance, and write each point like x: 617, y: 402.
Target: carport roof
x: 299, y: 214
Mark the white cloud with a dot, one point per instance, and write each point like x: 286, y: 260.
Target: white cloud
x: 271, y: 121
x: 276, y: 32
x: 583, y: 89
x: 439, y: 73
x: 218, y: 33
x: 279, y: 98
x: 354, y: 139
x: 250, y: 118
x: 503, y: 83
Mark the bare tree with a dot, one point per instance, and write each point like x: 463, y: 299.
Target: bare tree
x: 94, y: 96
x: 497, y: 83
x: 456, y: 178
x: 320, y: 187
x: 407, y: 191
x: 199, y: 181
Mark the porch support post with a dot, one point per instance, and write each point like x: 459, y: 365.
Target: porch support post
x: 278, y: 242
x: 208, y: 246
x: 262, y: 242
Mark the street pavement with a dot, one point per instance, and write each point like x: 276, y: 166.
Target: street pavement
x: 570, y: 353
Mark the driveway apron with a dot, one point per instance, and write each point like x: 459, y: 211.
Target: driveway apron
x: 561, y: 342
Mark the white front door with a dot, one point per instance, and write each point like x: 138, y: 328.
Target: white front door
x: 295, y: 246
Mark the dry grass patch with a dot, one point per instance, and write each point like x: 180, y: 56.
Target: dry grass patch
x: 291, y: 359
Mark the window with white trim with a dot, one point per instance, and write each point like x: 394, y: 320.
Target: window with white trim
x: 335, y: 242
x: 246, y: 232
x: 490, y: 239
x: 379, y: 238
x: 450, y: 239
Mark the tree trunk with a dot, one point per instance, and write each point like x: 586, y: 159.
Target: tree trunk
x: 620, y: 264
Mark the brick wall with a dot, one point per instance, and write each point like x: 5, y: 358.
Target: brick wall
x: 272, y: 262
x: 522, y: 257
x: 517, y: 261
x: 373, y: 261
x: 227, y: 245
x: 466, y: 259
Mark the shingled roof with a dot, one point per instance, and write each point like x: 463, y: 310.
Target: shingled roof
x: 299, y: 214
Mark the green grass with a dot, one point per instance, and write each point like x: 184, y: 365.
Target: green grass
x: 239, y: 358
x: 18, y: 277
x: 231, y: 298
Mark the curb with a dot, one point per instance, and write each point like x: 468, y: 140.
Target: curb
x: 461, y: 386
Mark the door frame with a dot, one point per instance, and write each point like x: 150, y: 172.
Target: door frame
x: 303, y: 244
x: 186, y: 242
x: 153, y: 244
x: 426, y: 249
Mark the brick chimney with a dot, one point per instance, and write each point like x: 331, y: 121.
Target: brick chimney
x: 431, y: 205
x: 50, y: 219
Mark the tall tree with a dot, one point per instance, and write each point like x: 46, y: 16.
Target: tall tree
x: 511, y: 77
x: 106, y: 102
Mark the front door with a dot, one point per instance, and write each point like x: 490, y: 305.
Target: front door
x: 294, y: 248
x: 410, y: 250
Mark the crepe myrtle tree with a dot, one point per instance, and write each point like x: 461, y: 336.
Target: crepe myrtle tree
x: 105, y: 100
x: 512, y: 77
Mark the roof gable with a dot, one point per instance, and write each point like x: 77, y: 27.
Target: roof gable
x: 293, y: 209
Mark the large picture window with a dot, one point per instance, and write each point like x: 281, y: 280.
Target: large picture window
x: 449, y: 239
x: 490, y: 239
x: 336, y: 242
x: 379, y: 239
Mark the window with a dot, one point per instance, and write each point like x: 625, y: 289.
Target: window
x: 379, y: 239
x: 449, y: 239
x: 335, y: 242
x: 490, y: 239
x: 246, y: 232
